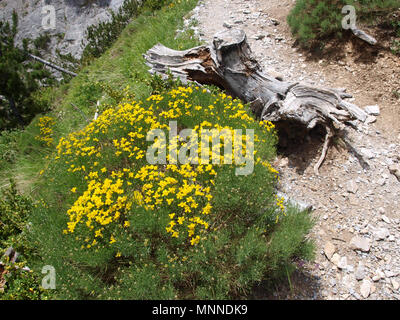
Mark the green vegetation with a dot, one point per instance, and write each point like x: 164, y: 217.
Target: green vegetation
x: 20, y: 78
x: 242, y: 234
x: 16, y: 281
x: 313, y: 21
x: 140, y: 231
x: 8, y: 148
x: 102, y: 36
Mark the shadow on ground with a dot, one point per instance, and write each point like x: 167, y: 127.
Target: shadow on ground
x: 302, y: 286
x: 300, y: 146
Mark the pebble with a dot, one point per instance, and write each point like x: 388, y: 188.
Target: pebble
x: 329, y: 249
x: 381, y: 234
x: 259, y: 36
x: 381, y: 210
x: 227, y: 25
x: 352, y: 186
x: 395, y: 284
x: 372, y: 110
x: 365, y: 289
x: 368, y: 153
x: 370, y: 119
x: 360, y: 272
x: 342, y: 263
x: 360, y: 243
x: 274, y: 21
x: 335, y: 259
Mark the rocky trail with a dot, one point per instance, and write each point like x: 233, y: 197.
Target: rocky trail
x: 356, y: 196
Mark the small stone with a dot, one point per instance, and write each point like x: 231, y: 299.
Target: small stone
x: 395, y: 284
x: 352, y: 186
x: 259, y: 36
x: 373, y: 288
x: 368, y: 153
x: 350, y: 268
x: 386, y: 219
x: 360, y: 272
x: 274, y: 21
x: 284, y: 162
x: 370, y: 119
x: 376, y: 278
x: 342, y: 263
x: 227, y: 25
x: 381, y: 181
x: 365, y: 289
x: 372, y: 110
x: 381, y: 234
x: 360, y: 243
x: 335, y: 259
x: 329, y: 249
x: 390, y: 274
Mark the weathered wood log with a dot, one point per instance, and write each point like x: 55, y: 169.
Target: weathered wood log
x: 52, y: 65
x: 229, y: 64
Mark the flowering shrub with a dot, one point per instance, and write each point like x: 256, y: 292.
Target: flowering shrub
x: 46, y: 130
x: 112, y: 194
x: 166, y: 229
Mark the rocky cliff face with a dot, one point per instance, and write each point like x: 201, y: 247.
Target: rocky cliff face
x: 72, y: 17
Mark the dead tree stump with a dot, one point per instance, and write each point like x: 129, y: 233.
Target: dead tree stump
x: 229, y: 64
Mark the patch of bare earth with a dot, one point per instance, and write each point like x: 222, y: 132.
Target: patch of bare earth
x: 356, y: 195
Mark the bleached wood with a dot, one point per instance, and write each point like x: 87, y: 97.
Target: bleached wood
x: 229, y: 64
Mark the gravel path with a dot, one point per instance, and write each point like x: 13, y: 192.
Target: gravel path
x: 356, y: 195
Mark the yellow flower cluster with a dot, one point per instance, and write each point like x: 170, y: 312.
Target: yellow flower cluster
x: 46, y: 131
x: 108, y: 156
x: 280, y: 205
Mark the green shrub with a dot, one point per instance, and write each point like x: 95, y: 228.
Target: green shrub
x: 20, y: 283
x: 8, y: 147
x: 14, y: 210
x: 312, y: 21
x: 42, y: 42
x: 100, y: 37
x: 156, y: 4
x: 116, y: 227
x: 16, y: 281
x: 20, y: 78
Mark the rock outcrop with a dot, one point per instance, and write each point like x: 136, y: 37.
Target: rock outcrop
x: 72, y: 17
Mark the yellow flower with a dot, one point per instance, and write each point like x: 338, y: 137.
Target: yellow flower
x: 181, y: 219
x: 195, y: 240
